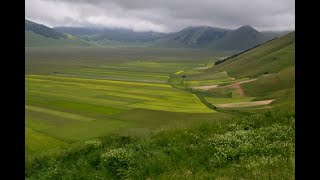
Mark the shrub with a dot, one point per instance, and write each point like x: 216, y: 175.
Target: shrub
x: 117, y: 161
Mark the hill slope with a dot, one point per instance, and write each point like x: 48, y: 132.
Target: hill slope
x: 270, y: 57
x: 195, y: 37
x: 108, y: 34
x: 273, y: 64
x: 240, y: 39
x: 212, y: 38
x: 43, y: 30
x: 216, y: 38
x: 40, y: 35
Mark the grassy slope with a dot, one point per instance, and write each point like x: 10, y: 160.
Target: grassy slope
x: 35, y: 40
x: 280, y: 86
x: 261, y: 145
x: 275, y: 59
x: 268, y: 58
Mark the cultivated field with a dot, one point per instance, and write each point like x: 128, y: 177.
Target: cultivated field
x: 67, y: 103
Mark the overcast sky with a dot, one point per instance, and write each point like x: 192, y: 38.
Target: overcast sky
x: 164, y: 15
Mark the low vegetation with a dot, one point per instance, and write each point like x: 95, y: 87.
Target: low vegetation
x: 247, y: 147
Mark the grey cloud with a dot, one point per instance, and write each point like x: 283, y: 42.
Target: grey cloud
x: 164, y: 15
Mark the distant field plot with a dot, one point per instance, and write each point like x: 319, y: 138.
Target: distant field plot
x: 207, y: 82
x: 245, y: 104
x: 156, y: 66
x: 55, y: 59
x: 208, y: 76
x: 216, y: 101
x: 205, y: 79
x: 208, y: 65
x: 137, y: 71
x: 91, y: 93
x: 124, y: 75
x: 180, y: 102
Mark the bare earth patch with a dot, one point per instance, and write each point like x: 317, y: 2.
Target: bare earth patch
x: 206, y: 87
x: 246, y: 104
x: 240, y: 82
x: 202, y: 68
x: 236, y: 86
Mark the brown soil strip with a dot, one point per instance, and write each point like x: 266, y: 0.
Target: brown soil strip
x: 202, y: 68
x: 246, y: 104
x: 234, y: 86
x: 240, y: 82
x: 206, y: 87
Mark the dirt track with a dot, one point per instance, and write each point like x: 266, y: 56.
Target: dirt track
x: 236, y: 86
x: 202, y: 68
x: 240, y: 82
x: 246, y: 104
x: 206, y: 87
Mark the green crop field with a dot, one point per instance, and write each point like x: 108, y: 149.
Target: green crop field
x: 79, y: 108
x: 71, y: 98
x: 228, y: 100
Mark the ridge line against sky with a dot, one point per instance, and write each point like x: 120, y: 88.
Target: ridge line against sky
x: 164, y: 15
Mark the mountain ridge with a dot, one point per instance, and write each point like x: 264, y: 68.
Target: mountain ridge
x: 38, y: 35
x: 200, y: 37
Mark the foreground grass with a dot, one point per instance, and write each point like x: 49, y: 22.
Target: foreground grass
x: 249, y: 147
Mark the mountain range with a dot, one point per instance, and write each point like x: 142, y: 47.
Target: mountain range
x: 203, y: 37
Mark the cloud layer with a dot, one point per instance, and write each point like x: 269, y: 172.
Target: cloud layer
x: 164, y: 15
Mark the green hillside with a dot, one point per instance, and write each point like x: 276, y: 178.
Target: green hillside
x: 216, y: 39
x: 279, y: 86
x: 268, y: 58
x: 43, y: 30
x: 204, y: 37
x: 37, y: 35
x: 35, y: 40
x: 254, y: 80
x: 196, y: 37
x: 242, y: 38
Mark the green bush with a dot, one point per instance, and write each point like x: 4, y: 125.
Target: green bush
x: 117, y: 161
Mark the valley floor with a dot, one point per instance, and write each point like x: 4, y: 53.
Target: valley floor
x: 120, y: 119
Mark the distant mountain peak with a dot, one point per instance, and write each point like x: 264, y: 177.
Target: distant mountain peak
x: 203, y: 27
x: 246, y: 28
